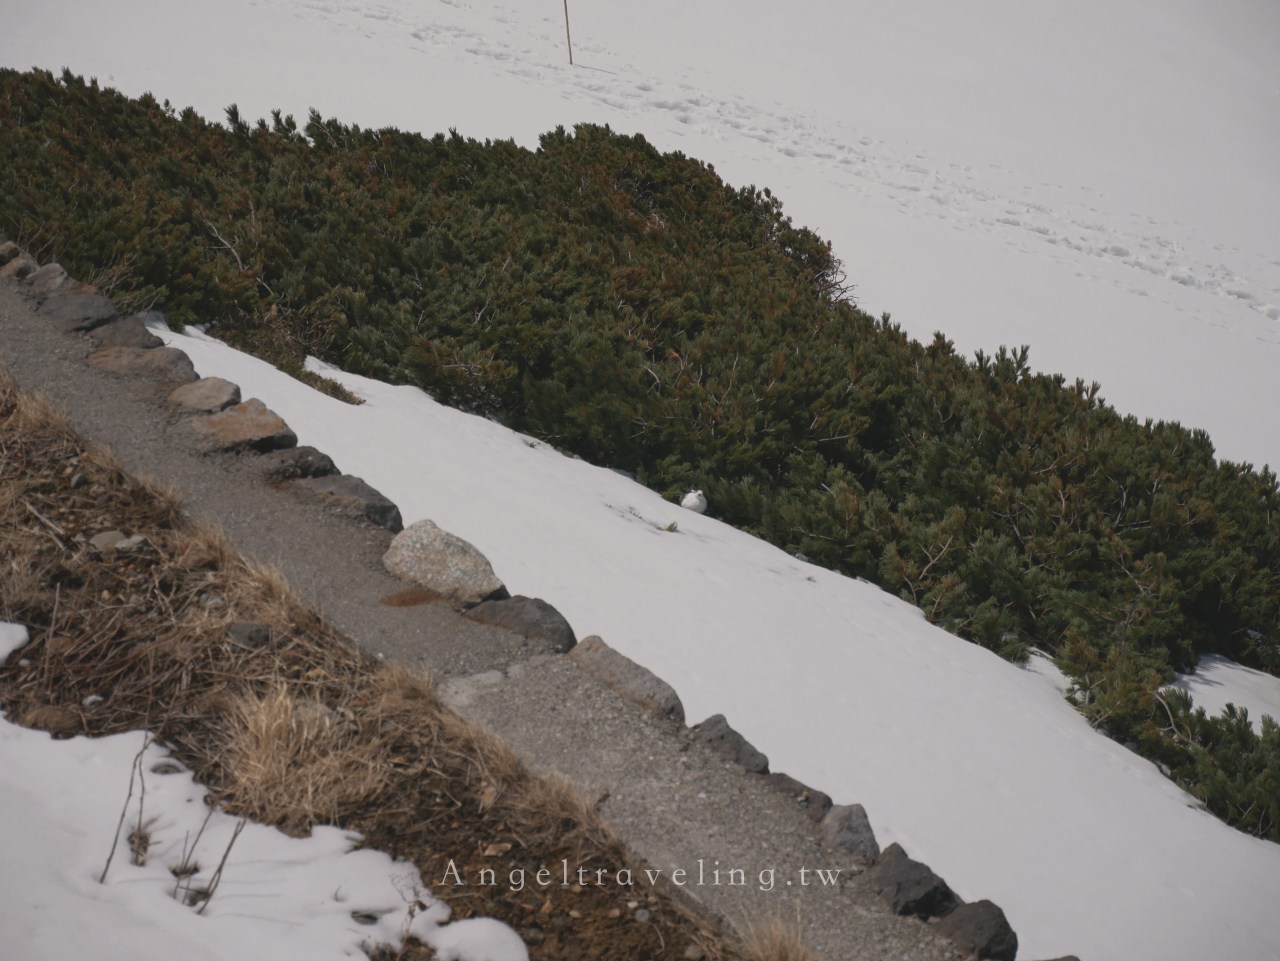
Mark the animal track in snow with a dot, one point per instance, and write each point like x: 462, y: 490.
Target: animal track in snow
x: 851, y: 158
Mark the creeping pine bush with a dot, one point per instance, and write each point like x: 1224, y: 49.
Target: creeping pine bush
x: 632, y: 308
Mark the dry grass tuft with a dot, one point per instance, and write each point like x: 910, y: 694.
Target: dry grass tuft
x: 34, y: 413
x: 401, y: 695
x: 552, y: 810
x: 775, y: 939
x: 204, y: 548
x: 290, y: 758
x: 485, y: 761
x: 57, y: 720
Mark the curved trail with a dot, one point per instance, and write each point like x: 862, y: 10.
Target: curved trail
x: 670, y: 801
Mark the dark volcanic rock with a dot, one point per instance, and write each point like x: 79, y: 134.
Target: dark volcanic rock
x: 628, y: 679
x: 847, y: 830
x: 247, y: 426
x: 981, y: 930
x: 908, y: 886
x: 163, y: 363
x: 48, y: 280
x: 72, y: 312
x: 530, y: 617
x: 283, y: 465
x: 208, y: 395
x: 126, y: 332
x: 353, y: 496
x: 716, y: 733
x: 814, y: 803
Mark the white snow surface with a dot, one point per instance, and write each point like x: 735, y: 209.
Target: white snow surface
x: 1099, y: 181
x: 12, y: 638
x: 1219, y: 681
x: 279, y: 898
x: 978, y: 767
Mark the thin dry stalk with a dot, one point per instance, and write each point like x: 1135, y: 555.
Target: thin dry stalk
x: 134, y: 773
x: 186, y: 868
x: 217, y: 875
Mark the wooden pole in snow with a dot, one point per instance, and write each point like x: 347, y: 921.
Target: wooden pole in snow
x: 567, y: 38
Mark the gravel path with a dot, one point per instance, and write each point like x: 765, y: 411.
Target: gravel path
x: 333, y: 562
x: 670, y: 800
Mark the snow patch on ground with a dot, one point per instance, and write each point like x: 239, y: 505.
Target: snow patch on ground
x: 12, y: 638
x: 1219, y: 681
x: 279, y: 899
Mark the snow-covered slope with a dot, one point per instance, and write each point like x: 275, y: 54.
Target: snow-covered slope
x: 1096, y: 180
x: 976, y: 766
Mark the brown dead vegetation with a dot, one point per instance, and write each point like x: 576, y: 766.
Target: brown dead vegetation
x: 775, y: 939
x: 301, y: 729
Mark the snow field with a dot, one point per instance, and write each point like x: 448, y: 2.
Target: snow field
x: 978, y: 767
x: 279, y: 898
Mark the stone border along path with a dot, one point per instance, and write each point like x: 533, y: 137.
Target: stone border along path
x: 698, y: 799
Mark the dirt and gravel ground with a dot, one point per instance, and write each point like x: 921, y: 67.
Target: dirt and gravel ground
x: 669, y: 800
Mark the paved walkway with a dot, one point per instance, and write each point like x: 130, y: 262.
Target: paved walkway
x: 674, y: 804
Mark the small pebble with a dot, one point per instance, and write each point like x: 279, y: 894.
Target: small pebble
x: 643, y: 915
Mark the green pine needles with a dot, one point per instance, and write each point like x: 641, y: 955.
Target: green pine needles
x: 630, y: 307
